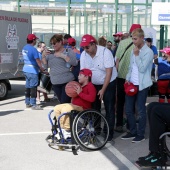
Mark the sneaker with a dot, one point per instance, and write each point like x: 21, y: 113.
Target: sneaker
x: 36, y: 107
x: 66, y: 134
x: 146, y: 157
x: 38, y: 102
x: 153, y: 160
x: 138, y: 139
x: 128, y: 136
x: 119, y: 129
x: 28, y: 106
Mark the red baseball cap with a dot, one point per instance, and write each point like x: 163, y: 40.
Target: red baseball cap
x: 130, y: 89
x: 118, y: 34
x: 31, y: 37
x: 86, y: 40
x: 71, y: 41
x: 165, y: 50
x: 86, y: 72
x: 133, y: 27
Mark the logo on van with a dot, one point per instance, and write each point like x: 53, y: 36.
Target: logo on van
x: 11, y: 38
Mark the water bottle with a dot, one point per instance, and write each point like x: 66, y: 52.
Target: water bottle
x: 67, y: 64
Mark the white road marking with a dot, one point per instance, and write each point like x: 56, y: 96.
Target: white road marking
x: 122, y: 158
x: 26, y: 133
x: 112, y: 149
x: 6, y: 110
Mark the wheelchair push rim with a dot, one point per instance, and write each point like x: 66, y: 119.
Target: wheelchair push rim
x: 90, y: 130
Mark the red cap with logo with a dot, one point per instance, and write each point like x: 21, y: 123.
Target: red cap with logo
x: 130, y: 89
x: 32, y: 37
x: 71, y: 41
x: 166, y: 50
x: 86, y: 40
x: 86, y: 72
x: 118, y: 34
x: 133, y: 27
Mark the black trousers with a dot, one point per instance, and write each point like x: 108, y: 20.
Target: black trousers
x: 159, y: 119
x: 109, y: 104
x: 120, y: 101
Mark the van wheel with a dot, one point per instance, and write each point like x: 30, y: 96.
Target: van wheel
x: 3, y: 90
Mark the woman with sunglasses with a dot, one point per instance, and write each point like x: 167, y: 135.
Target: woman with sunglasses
x: 59, y: 63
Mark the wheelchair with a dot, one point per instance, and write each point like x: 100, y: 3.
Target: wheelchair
x: 164, y: 149
x: 89, y: 131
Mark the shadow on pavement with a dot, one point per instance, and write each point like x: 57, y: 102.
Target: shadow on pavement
x: 4, y: 113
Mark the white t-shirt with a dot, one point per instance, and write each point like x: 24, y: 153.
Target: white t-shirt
x: 98, y: 64
x: 134, y: 75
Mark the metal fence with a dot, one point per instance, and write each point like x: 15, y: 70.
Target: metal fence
x: 78, y: 17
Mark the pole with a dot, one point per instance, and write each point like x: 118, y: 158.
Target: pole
x: 18, y: 2
x: 161, y: 45
x: 69, y: 2
x: 116, y: 19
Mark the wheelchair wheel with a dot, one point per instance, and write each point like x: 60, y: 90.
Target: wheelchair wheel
x: 90, y: 130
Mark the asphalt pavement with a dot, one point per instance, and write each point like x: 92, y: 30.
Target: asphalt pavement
x: 23, y: 146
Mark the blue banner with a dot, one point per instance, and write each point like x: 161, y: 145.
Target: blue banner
x: 163, y: 17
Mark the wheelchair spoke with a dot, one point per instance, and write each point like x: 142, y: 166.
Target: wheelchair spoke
x: 91, y: 130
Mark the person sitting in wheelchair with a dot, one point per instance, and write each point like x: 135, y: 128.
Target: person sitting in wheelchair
x: 159, y: 122
x: 85, y: 98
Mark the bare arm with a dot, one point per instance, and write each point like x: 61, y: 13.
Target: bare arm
x: 40, y: 64
x: 106, y: 82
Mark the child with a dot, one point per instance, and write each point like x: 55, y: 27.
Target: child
x: 86, y: 95
x: 164, y: 75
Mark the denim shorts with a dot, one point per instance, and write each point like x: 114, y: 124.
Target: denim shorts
x: 32, y: 80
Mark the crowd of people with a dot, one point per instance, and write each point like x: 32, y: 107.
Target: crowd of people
x: 120, y: 76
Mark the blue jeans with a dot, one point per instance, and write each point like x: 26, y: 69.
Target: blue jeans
x: 140, y: 100
x: 32, y: 81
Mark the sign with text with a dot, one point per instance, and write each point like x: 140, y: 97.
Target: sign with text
x: 160, y: 13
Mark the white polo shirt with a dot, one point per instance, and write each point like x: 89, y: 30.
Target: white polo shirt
x: 98, y: 64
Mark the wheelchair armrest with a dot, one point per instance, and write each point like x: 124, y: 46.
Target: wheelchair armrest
x: 75, y: 111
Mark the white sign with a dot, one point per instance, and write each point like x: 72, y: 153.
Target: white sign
x: 160, y: 13
x: 12, y: 38
x: 6, y: 58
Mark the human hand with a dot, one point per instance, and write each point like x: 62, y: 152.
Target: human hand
x: 127, y: 82
x: 46, y: 52
x: 136, y: 51
x: 100, y: 94
x: 78, y: 89
x: 46, y: 72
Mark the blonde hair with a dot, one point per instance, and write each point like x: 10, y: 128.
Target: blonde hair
x: 102, y: 41
x: 138, y: 32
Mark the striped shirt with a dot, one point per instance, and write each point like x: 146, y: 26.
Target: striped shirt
x: 59, y: 73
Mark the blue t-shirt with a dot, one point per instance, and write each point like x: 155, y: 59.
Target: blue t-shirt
x: 154, y: 49
x: 155, y: 52
x: 163, y: 69
x: 30, y: 54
